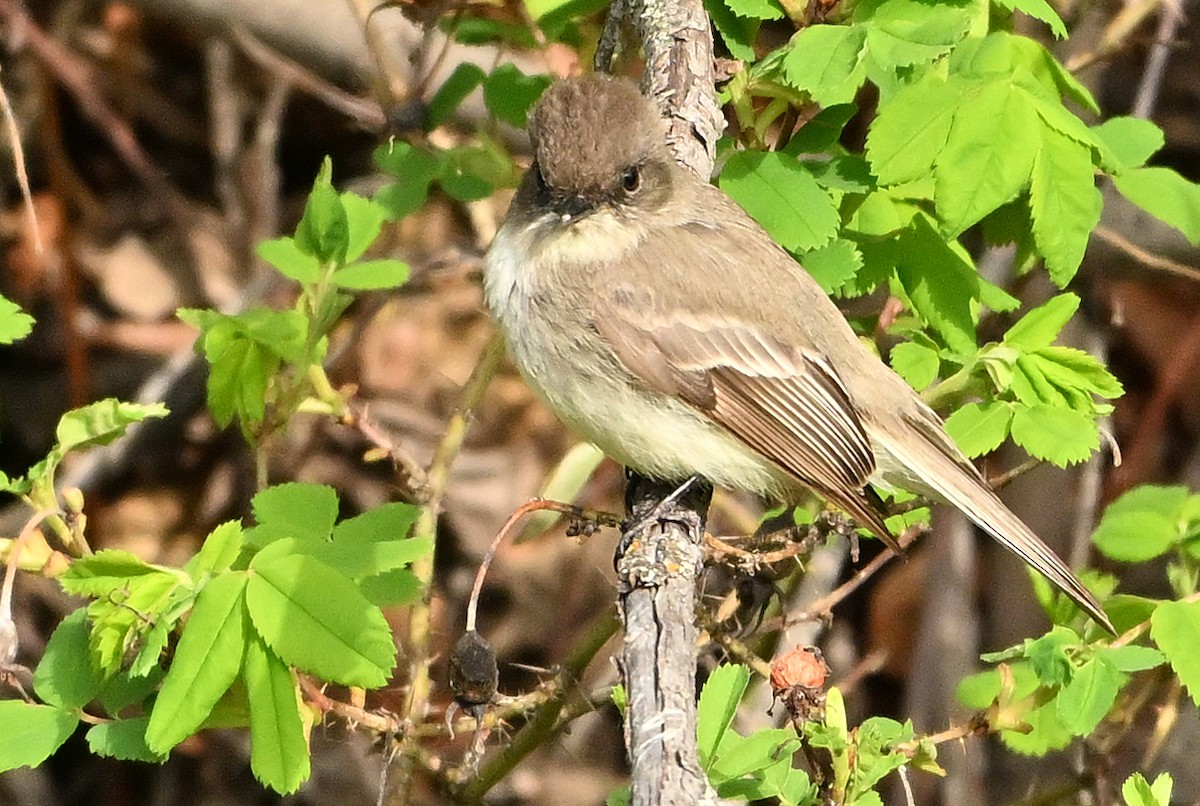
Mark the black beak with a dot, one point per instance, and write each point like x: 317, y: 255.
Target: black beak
x: 571, y: 206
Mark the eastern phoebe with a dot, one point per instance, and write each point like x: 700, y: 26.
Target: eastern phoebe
x: 663, y: 324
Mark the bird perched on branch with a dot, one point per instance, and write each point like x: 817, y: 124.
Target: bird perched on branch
x: 662, y: 323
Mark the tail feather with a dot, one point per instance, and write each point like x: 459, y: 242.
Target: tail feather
x: 959, y: 484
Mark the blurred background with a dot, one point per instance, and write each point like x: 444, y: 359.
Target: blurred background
x: 164, y: 138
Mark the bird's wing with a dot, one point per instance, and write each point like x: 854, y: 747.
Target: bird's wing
x: 785, y: 403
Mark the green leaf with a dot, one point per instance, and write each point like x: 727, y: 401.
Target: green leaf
x: 509, y: 93
x: 822, y: 131
x: 14, y: 323
x: 1046, y: 733
x: 1088, y: 696
x: 828, y: 62
x: 1041, y: 326
x: 101, y: 422
x: 979, y: 428
x: 907, y: 32
x: 1131, y: 140
x: 833, y: 265
x: 64, y: 677
x: 453, y: 91
x: 1039, y: 10
x: 756, y: 9
x: 988, y: 155
x: 296, y: 509
x: 392, y: 588
x: 414, y: 170
x: 220, y: 550
x: 939, y: 282
x: 105, y: 571
x: 124, y: 739
x: 286, y: 256
x: 364, y: 219
x: 1059, y: 436
x: 744, y: 755
x: 1175, y: 628
x: 206, y: 662
x: 1142, y: 524
x: 783, y: 197
x: 1131, y: 658
x: 911, y: 130
x: 387, y: 522
x: 1165, y: 195
x: 460, y: 178
x: 1065, y: 203
x: 1069, y: 368
x: 278, y: 744
x: 718, y: 703
x: 32, y: 732
x: 323, y: 231
x: 916, y: 363
x: 738, y: 33
x: 314, y: 618
x: 1137, y: 792
x: 372, y: 274
x: 359, y: 560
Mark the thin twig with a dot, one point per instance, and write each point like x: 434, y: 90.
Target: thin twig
x: 14, y: 134
x: 821, y: 607
x: 1147, y: 259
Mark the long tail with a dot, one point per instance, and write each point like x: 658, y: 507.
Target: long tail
x: 959, y: 484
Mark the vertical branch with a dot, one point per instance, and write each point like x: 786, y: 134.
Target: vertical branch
x: 658, y: 570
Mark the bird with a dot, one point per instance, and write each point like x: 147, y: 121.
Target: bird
x: 660, y: 322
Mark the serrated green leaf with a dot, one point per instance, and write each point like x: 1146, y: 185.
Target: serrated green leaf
x: 361, y: 560
x: 938, y: 282
x: 206, y: 662
x: 1175, y: 628
x: 911, y: 130
x: 718, y: 703
x: 738, y: 33
x: 32, y: 732
x: 1041, y: 326
x: 323, y: 231
x: 1131, y: 140
x: 295, y: 509
x: 833, y: 265
x: 124, y: 739
x: 287, y: 257
x: 988, y: 156
x: 783, y: 197
x: 387, y: 522
x: 1046, y: 733
x: 104, y: 572
x: 822, y: 131
x: 1088, y: 696
x: 509, y: 93
x: 901, y: 33
x: 414, y: 169
x: 364, y: 220
x: 370, y: 275
x: 453, y: 91
x: 827, y: 61
x: 744, y: 755
x: 756, y: 9
x: 917, y: 364
x: 1136, y: 791
x: 1039, y: 10
x: 1141, y: 524
x: 980, y: 428
x: 101, y: 422
x: 1164, y: 194
x: 1065, y: 203
x: 315, y: 619
x: 278, y: 744
x: 392, y: 588
x: 1059, y: 436
x: 15, y: 324
x: 218, y: 552
x: 64, y: 677
x: 1131, y: 658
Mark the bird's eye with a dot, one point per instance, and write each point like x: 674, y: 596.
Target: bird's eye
x: 632, y: 180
